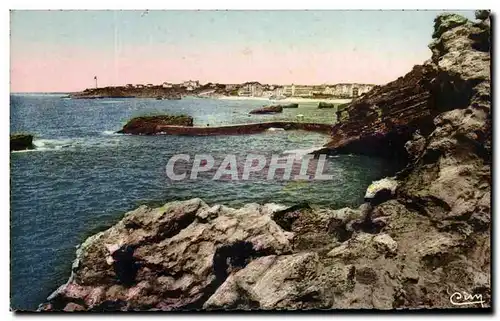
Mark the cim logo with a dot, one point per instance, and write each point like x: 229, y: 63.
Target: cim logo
x: 464, y: 298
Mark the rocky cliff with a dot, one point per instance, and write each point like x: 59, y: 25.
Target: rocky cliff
x: 457, y: 77
x: 421, y: 240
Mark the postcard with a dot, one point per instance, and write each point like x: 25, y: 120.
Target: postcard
x: 216, y: 160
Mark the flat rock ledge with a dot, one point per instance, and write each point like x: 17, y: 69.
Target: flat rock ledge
x: 151, y: 125
x: 268, y: 110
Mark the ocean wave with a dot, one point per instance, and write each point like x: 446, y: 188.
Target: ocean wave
x: 275, y: 129
x: 74, y: 143
x: 42, y: 145
x: 52, y: 144
x: 299, y: 153
x: 23, y: 151
x: 110, y: 133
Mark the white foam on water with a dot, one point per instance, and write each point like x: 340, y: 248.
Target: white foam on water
x: 111, y: 101
x: 299, y: 153
x: 23, y: 151
x: 274, y: 129
x: 72, y: 143
x: 52, y: 144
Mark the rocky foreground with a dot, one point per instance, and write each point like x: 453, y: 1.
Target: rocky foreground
x: 421, y: 236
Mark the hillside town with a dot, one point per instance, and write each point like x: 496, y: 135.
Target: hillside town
x: 169, y: 90
x: 256, y: 89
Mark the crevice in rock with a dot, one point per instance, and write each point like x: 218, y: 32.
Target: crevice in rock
x: 414, y: 207
x: 339, y: 230
x: 431, y: 156
x: 369, y: 226
x: 427, y: 206
x: 108, y: 306
x: 173, y: 227
x: 390, y: 145
x: 60, y: 302
x: 227, y: 259
x: 451, y: 92
x: 438, y: 260
x: 285, y: 218
x: 125, y: 265
x: 477, y: 146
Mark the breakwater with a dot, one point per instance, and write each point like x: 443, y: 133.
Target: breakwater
x: 240, y: 129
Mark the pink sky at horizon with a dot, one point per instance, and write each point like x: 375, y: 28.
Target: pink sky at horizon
x: 61, y: 51
x: 73, y: 69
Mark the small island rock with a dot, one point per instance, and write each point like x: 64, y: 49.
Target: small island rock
x: 148, y: 125
x: 268, y: 110
x: 323, y: 105
x: 21, y: 142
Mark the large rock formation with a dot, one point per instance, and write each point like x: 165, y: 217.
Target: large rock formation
x: 439, y: 117
x: 420, y: 240
x: 150, y: 125
x: 21, y: 142
x: 455, y: 78
x: 172, y: 257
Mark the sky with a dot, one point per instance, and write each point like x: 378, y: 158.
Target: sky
x: 63, y: 50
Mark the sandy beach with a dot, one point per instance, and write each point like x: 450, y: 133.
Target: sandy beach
x: 289, y: 99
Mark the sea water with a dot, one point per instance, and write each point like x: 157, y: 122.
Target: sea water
x: 82, y: 177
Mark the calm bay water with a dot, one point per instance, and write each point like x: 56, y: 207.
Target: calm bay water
x: 82, y: 177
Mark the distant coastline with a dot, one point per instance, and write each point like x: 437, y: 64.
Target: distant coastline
x: 250, y: 90
x: 288, y: 99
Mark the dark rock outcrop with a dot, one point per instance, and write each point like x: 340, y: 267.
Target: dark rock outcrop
x: 323, y: 105
x: 268, y: 110
x: 292, y: 105
x: 21, y: 142
x: 482, y: 14
x: 150, y: 125
x: 130, y: 92
x: 383, y: 120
